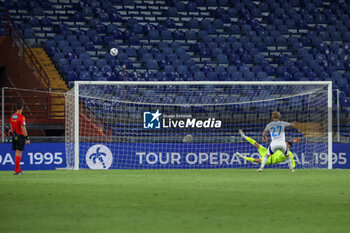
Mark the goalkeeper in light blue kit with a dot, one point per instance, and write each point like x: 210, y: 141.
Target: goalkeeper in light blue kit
x: 278, y: 139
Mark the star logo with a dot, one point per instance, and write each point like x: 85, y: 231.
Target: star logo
x: 151, y: 120
x: 156, y: 115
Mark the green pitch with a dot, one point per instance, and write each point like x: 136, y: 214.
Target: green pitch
x: 164, y: 201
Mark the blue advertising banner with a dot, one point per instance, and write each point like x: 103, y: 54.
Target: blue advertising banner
x: 37, y: 156
x: 49, y: 156
x: 198, y: 156
x: 341, y: 155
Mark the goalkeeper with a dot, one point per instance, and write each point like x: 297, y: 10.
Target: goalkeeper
x: 277, y: 157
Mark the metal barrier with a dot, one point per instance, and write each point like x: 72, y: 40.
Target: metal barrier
x: 40, y: 105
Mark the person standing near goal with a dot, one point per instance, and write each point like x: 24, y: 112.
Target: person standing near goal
x: 278, y: 139
x: 19, y: 136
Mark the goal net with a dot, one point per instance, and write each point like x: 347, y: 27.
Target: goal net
x: 186, y: 125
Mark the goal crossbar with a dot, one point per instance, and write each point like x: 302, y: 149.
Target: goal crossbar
x: 137, y: 83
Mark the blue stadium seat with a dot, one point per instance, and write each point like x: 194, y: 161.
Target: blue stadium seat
x: 71, y: 76
x: 84, y: 38
x: 154, y: 35
x: 79, y: 50
x: 199, y: 76
x: 92, y: 68
x: 218, y: 24
x: 190, y: 35
x: 178, y: 35
x: 108, y: 39
x: 152, y: 64
x: 70, y: 56
x: 193, y: 24
x: 66, y: 50
x: 29, y: 33
x: 159, y: 56
x: 84, y: 75
x: 63, y: 62
x: 181, y: 69
x: 236, y: 76
x: 46, y: 22
x: 192, y: 7
x: 180, y: 6
x: 97, y: 39
x: 202, y: 34
x: 88, y: 62
x: 34, y: 22
x: 172, y: 12
x: 50, y: 44
x: 75, y: 62
x: 75, y: 44
x: 222, y: 59
x: 211, y: 76
x: 101, y: 63
x: 97, y: 75
x: 147, y: 56
x: 134, y: 40
x: 58, y: 56
x: 204, y: 24
x: 219, y: 70
x: 211, y: 3
x: 168, y: 69
x: 166, y: 35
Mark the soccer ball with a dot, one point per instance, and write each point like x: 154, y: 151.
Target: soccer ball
x: 114, y: 52
x: 187, y: 138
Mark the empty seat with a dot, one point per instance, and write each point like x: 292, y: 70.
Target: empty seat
x: 154, y: 35
x: 217, y: 51
x: 147, y: 56
x: 63, y: 62
x: 88, y: 62
x: 166, y: 35
x: 199, y: 75
x: 190, y: 35
x: 84, y: 75
x: 134, y: 40
x: 172, y: 12
x: 79, y: 50
x: 101, y: 63
x: 193, y: 23
x: 181, y: 69
x: 131, y: 52
x: 152, y: 64
x: 58, y: 56
x: 75, y: 62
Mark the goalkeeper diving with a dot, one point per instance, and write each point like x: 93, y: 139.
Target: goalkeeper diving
x: 277, y: 157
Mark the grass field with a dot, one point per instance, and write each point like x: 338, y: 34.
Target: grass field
x: 226, y: 200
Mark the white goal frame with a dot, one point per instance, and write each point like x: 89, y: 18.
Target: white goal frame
x: 247, y: 83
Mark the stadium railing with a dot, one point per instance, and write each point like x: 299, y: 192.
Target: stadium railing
x: 28, y: 54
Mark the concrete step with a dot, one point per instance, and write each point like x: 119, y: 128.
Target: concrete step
x: 56, y: 81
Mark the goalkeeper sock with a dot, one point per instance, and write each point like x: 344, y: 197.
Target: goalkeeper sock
x: 264, y: 160
x: 249, y: 159
x: 289, y: 160
x: 250, y: 140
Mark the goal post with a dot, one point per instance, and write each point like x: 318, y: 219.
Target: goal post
x: 330, y: 127
x: 194, y: 124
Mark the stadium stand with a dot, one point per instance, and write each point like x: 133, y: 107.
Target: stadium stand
x: 192, y: 40
x: 264, y: 40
